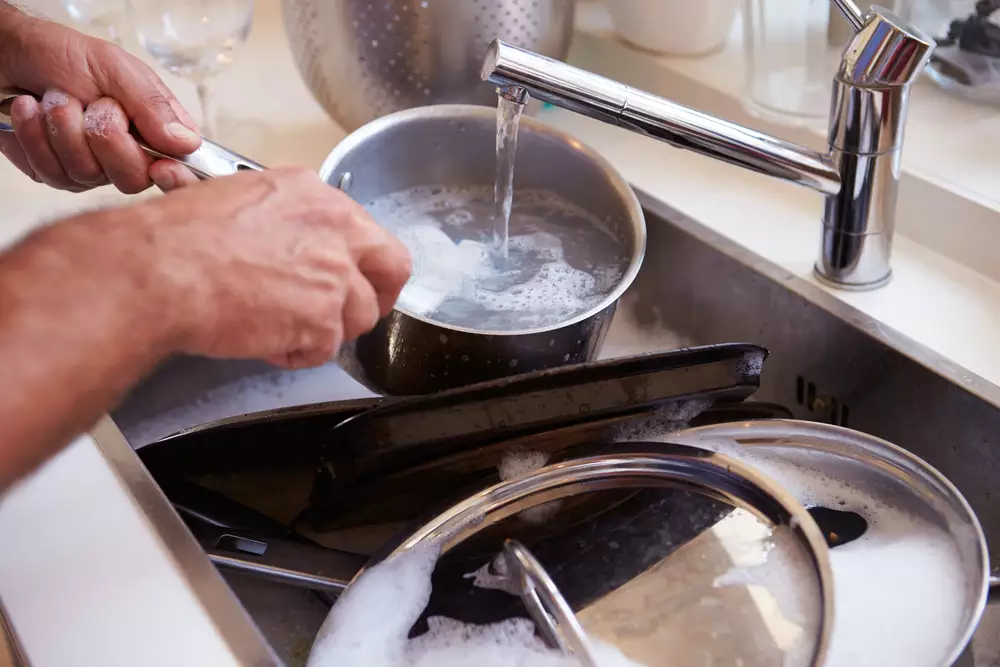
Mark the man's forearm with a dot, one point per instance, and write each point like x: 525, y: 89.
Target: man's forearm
x: 80, y: 322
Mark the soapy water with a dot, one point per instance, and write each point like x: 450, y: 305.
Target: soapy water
x: 562, y: 261
x: 899, y: 592
x: 778, y: 573
x: 370, y: 623
x: 738, y: 594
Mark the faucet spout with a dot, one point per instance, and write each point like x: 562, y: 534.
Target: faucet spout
x: 556, y: 82
x: 858, y: 176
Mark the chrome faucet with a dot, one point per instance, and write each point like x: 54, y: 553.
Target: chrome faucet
x: 859, y: 174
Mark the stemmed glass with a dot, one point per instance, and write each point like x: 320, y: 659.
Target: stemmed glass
x: 194, y: 39
x: 105, y: 15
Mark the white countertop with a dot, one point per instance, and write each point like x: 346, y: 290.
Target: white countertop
x: 77, y: 532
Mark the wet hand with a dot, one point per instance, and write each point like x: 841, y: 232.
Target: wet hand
x: 77, y: 136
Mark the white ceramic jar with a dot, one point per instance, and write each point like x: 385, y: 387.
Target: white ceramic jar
x: 674, y: 27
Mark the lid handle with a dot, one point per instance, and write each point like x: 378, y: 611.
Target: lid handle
x: 551, y: 612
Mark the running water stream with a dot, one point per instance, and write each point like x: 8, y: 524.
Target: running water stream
x: 482, y: 260
x: 508, y: 118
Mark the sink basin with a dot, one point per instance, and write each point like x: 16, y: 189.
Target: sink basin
x: 828, y: 363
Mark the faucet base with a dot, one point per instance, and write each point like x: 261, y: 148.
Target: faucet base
x: 850, y: 287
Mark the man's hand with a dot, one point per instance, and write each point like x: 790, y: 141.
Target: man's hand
x: 77, y: 137
x: 275, y: 265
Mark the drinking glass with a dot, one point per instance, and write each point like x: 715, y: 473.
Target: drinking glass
x: 105, y: 15
x: 195, y: 39
x: 793, y: 49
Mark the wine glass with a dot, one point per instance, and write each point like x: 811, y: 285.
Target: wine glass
x: 106, y: 15
x: 194, y: 39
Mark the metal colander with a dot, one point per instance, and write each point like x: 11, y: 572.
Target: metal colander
x: 363, y: 59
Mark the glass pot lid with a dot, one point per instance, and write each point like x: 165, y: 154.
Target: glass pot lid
x: 651, y: 570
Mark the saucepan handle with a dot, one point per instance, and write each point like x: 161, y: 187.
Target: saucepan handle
x: 210, y: 160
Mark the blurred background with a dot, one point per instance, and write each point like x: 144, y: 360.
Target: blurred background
x: 267, y: 77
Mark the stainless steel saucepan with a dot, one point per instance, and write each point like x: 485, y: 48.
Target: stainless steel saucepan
x: 454, y: 145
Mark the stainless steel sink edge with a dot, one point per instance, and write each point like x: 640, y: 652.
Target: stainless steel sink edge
x: 234, y: 625
x: 914, y: 350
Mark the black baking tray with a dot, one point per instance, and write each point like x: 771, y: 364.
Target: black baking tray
x: 365, y: 436
x: 261, y: 440
x: 399, y: 435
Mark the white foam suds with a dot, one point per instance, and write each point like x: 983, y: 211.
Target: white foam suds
x: 440, y: 266
x: 779, y: 576
x: 516, y: 463
x: 53, y: 99
x: 665, y: 420
x: 100, y: 118
x: 369, y: 624
x: 899, y: 590
x: 561, y: 260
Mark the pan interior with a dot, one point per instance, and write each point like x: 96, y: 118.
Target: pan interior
x: 406, y: 167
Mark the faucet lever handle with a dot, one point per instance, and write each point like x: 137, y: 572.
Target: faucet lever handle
x: 888, y: 51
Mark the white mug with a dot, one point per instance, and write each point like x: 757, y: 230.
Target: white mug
x: 674, y: 27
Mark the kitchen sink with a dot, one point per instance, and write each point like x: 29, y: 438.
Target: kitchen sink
x: 828, y: 362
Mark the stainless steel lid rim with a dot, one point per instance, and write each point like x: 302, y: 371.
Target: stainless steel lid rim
x: 910, y: 469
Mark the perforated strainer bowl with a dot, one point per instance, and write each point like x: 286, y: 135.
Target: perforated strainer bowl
x: 363, y: 59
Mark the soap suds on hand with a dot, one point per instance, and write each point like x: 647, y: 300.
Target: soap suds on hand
x: 100, y: 119
x: 54, y: 99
